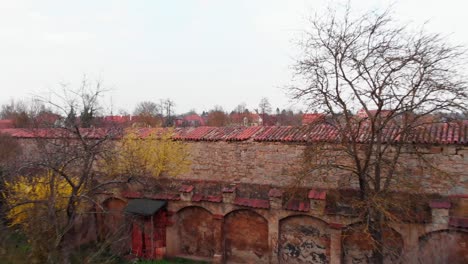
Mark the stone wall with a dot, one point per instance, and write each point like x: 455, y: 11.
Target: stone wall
x: 440, y: 169
x: 263, y: 163
x: 195, y: 226
x: 267, y: 232
x: 246, y: 238
x: 304, y: 239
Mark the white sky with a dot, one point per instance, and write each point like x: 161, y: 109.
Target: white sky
x: 198, y: 53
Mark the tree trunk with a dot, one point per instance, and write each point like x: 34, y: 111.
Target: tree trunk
x: 376, y: 231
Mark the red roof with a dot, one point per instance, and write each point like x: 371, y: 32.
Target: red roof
x: 312, y: 118
x: 255, y: 203
x: 297, y: 205
x: 90, y: 133
x: 194, y: 118
x: 6, y: 123
x: 440, y: 204
x: 440, y: 133
x: 117, y: 119
x: 317, y: 195
x: 458, y: 222
x: 363, y: 114
x: 186, y: 188
x: 198, y: 197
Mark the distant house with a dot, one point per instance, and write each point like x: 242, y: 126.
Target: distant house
x: 245, y: 119
x: 6, y: 123
x: 363, y: 114
x: 116, y: 120
x: 308, y: 119
x: 47, y: 119
x: 192, y: 120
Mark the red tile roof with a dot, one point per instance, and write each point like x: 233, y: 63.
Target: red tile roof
x: 317, y: 194
x: 441, y: 133
x: 186, y: 188
x: 198, y: 197
x: 297, y: 205
x: 458, y: 222
x: 59, y: 132
x: 440, y: 204
x: 312, y: 118
x: 117, y: 118
x: 255, y: 203
x: 6, y: 123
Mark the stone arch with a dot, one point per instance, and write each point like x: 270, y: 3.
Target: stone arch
x: 357, y: 245
x: 303, y: 239
x: 195, y: 231
x: 113, y: 217
x: 193, y: 206
x: 443, y: 246
x: 246, y: 237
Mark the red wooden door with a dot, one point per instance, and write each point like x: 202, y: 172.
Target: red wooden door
x: 149, y: 236
x: 137, y: 242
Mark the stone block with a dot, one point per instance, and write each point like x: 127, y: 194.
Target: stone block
x: 440, y: 216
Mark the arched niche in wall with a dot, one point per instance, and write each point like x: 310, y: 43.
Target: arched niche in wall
x: 112, y: 224
x: 195, y: 231
x: 246, y: 237
x: 445, y: 246
x: 303, y: 239
x: 357, y: 245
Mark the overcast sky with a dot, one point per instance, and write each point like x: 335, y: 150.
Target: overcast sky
x: 198, y: 53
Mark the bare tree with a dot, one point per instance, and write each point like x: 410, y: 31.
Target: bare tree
x: 26, y: 114
x: 241, y: 108
x: 217, y: 117
x: 264, y: 108
x: 168, y: 108
x: 149, y: 113
x: 397, y: 78
x: 147, y: 108
x: 61, y: 165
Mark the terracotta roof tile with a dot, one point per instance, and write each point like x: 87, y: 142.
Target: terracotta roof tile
x: 297, y: 205
x: 6, y: 123
x: 317, y: 194
x: 440, y: 133
x: 243, y: 133
x: 312, y: 118
x: 90, y: 133
x: 458, y: 222
x: 186, y: 188
x: 255, y: 203
x: 198, y: 197
x: 440, y: 204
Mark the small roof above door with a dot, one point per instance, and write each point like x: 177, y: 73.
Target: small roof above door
x: 144, y: 207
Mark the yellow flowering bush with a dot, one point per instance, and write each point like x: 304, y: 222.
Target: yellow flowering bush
x: 30, y: 197
x: 152, y: 155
